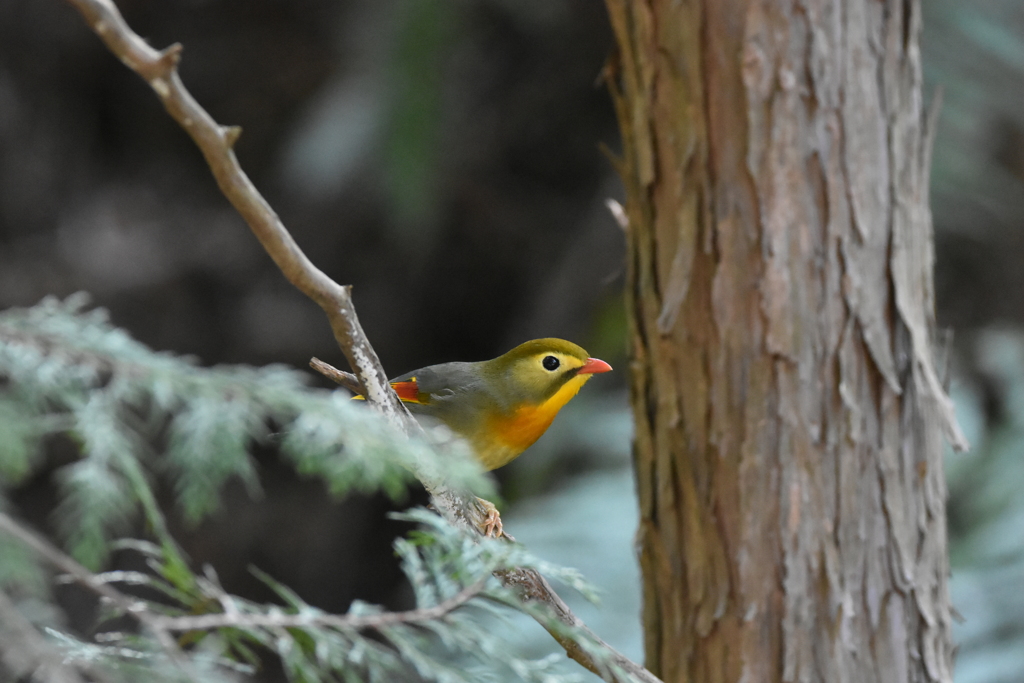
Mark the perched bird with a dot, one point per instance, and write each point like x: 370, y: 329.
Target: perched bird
x: 500, y: 406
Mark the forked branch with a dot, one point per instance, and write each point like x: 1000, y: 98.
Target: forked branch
x: 159, y: 69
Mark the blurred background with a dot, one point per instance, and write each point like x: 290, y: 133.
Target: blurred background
x: 442, y: 156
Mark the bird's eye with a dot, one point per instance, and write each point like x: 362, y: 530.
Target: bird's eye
x: 550, y: 363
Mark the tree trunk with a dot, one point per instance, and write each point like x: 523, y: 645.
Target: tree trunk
x: 789, y: 416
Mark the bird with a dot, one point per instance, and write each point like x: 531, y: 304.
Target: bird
x: 503, y: 405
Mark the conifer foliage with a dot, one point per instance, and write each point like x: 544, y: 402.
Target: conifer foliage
x: 138, y: 418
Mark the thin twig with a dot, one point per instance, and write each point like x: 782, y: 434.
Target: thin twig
x: 205, y: 622
x: 345, y: 379
x: 134, y: 608
x: 159, y: 69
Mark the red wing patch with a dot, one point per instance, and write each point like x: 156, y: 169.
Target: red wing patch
x: 407, y: 391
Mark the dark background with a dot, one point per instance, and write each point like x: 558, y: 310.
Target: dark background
x: 442, y: 156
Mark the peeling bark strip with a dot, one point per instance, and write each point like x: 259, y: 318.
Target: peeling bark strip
x: 789, y: 419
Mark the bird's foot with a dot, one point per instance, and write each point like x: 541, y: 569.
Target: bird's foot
x: 491, y: 526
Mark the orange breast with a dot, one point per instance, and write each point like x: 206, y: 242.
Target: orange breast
x: 510, y: 435
x: 519, y: 430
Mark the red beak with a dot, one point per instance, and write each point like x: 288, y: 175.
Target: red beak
x: 593, y: 366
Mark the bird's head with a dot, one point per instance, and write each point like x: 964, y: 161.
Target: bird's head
x: 537, y: 370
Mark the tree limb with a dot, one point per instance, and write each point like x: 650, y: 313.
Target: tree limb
x: 159, y: 69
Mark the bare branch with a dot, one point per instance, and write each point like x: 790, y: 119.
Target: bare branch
x: 159, y: 69
x: 345, y: 379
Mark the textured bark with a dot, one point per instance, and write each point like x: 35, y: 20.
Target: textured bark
x: 789, y: 417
